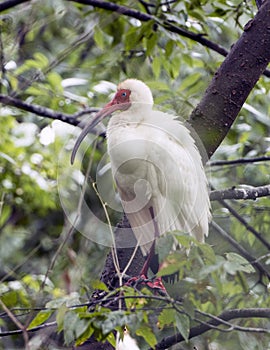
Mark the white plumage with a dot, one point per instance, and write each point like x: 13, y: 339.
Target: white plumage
x: 156, y: 164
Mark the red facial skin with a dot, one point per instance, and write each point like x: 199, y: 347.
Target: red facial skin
x: 122, y: 96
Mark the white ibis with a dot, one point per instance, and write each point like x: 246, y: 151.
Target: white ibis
x: 156, y: 166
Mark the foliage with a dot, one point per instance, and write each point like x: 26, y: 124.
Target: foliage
x: 65, y: 56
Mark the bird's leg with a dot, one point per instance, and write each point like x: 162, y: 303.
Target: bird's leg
x: 143, y: 277
x: 152, y: 249
x: 157, y: 282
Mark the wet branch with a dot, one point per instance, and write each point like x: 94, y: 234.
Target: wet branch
x: 246, y: 192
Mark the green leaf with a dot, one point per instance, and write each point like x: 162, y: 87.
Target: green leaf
x: 183, y: 324
x: 99, y: 38
x: 169, y: 48
x: 156, y: 65
x: 55, y: 81
x: 207, y: 252
x: 189, y: 81
x: 236, y: 262
x: 41, y: 59
x: 166, y: 317
x: 71, y: 321
x: 184, y: 240
x: 60, y: 316
x: 40, y: 318
x: 97, y: 284
x: 111, y: 339
x: 169, y: 269
x: 132, y: 38
x: 114, y: 319
x: 147, y: 334
x: 151, y: 43
x: 164, y: 246
x: 175, y: 67
x: 85, y: 335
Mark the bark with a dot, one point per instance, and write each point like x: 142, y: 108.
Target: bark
x: 11, y: 3
x: 233, y: 82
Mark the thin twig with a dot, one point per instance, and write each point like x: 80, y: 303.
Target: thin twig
x: 19, y: 265
x: 114, y: 250
x: 239, y: 161
x: 240, y: 248
x: 17, y: 323
x: 41, y: 111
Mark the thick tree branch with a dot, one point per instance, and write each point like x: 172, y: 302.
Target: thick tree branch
x: 11, y: 3
x: 247, y: 192
x: 203, y: 328
x: 233, y: 82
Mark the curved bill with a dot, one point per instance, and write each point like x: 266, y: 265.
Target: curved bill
x: 107, y: 110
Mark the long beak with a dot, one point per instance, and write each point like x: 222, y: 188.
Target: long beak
x: 107, y: 110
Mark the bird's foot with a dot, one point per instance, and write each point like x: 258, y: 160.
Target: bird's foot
x: 155, y: 284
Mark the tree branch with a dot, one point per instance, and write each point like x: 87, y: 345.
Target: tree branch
x: 203, y: 328
x: 239, y: 161
x: 45, y: 112
x: 233, y: 81
x: 11, y: 3
x: 247, y: 192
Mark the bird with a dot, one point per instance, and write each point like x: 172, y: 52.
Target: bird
x: 157, y: 168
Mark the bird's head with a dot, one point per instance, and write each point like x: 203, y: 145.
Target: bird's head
x: 133, y: 91
x: 130, y: 94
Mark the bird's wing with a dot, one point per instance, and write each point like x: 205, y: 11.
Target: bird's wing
x: 181, y: 197
x: 165, y: 173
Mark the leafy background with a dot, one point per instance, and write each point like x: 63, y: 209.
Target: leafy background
x: 66, y: 56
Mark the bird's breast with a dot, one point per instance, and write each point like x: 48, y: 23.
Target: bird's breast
x: 127, y: 148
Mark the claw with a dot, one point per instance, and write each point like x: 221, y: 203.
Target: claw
x: 156, y: 284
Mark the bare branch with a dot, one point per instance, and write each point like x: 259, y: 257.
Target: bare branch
x: 239, y: 161
x: 17, y: 323
x: 246, y: 192
x: 34, y: 329
x: 45, y: 112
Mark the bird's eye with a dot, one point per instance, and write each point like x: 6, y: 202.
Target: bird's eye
x: 124, y: 94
